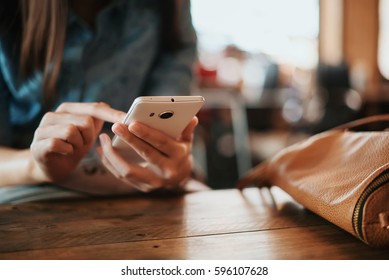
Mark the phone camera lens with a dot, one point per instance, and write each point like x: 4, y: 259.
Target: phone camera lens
x: 166, y: 114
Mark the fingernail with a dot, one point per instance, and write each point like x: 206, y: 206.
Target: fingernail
x: 103, y: 139
x: 117, y: 128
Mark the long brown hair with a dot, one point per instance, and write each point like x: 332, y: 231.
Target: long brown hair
x: 43, y: 41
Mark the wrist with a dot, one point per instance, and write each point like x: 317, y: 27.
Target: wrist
x: 34, y: 174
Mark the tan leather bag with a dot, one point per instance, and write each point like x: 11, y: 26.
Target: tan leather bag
x: 341, y: 175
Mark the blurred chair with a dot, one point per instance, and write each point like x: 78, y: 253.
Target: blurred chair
x: 341, y: 102
x: 222, y: 145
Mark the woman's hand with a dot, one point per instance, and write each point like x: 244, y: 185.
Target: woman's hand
x: 172, y: 157
x: 65, y: 136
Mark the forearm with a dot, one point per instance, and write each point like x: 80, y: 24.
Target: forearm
x: 17, y: 168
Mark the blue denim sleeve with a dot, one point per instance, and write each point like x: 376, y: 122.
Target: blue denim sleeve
x: 173, y: 73
x: 5, y: 125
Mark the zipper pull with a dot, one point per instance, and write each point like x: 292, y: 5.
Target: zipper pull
x: 384, y: 219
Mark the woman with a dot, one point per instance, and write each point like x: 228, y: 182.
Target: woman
x: 69, y: 66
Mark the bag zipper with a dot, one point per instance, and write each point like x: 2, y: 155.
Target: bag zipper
x: 358, y: 210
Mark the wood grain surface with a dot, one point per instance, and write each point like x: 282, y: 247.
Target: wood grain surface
x: 214, y: 224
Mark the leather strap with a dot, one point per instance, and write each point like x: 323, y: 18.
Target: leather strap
x: 363, y: 121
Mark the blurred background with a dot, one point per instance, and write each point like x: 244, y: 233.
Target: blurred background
x: 276, y: 72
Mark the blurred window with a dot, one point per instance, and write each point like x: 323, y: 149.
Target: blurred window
x: 283, y: 29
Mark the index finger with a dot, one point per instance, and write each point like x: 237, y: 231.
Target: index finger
x: 99, y: 110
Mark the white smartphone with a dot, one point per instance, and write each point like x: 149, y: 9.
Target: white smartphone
x: 169, y: 114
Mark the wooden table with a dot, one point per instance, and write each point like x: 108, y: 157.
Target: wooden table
x: 222, y: 224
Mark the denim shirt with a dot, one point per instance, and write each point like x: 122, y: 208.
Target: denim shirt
x: 115, y: 63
